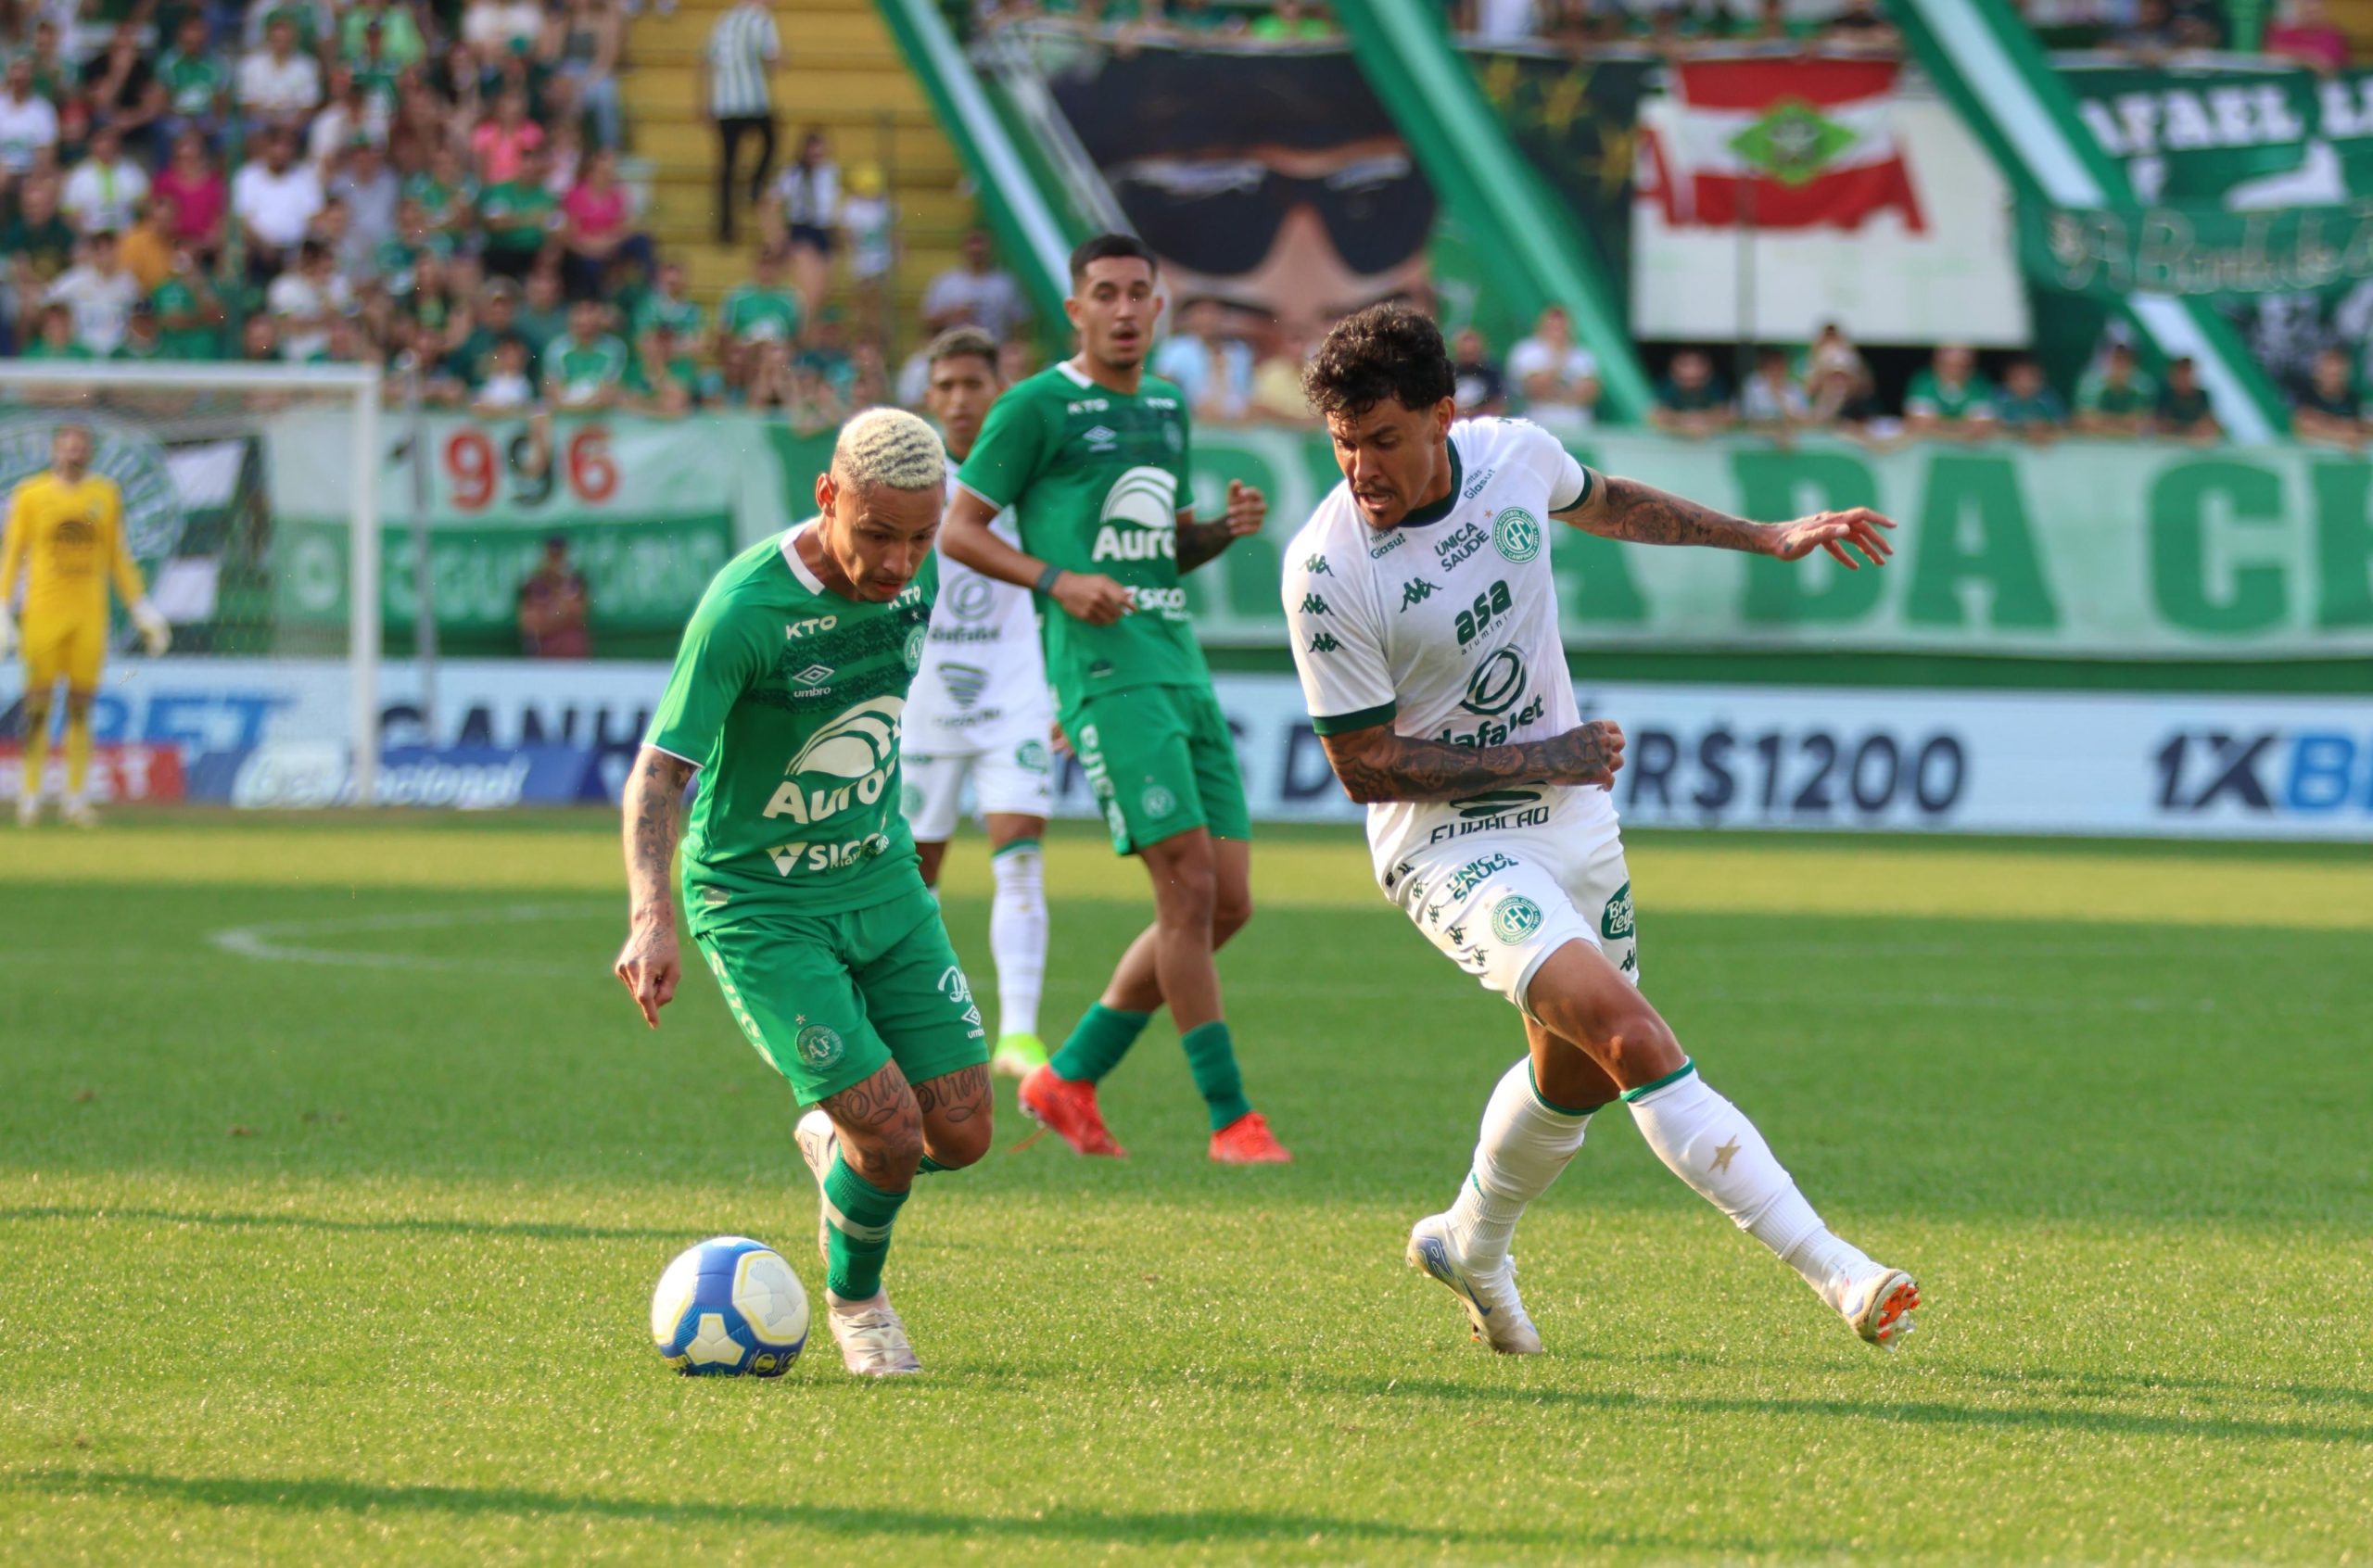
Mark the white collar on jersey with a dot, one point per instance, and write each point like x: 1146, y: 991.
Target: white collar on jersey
x: 807, y: 579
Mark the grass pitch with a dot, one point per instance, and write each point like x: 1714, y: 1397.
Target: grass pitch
x: 334, y: 1174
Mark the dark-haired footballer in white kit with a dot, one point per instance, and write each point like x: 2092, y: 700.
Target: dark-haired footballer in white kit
x: 1425, y: 631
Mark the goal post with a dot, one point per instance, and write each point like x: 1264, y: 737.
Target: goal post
x: 188, y: 442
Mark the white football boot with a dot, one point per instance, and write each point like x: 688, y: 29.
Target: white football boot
x: 1880, y: 1308
x: 873, y: 1341
x: 819, y: 1142
x: 1489, y: 1294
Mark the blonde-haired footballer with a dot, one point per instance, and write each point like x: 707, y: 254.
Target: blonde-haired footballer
x: 65, y: 536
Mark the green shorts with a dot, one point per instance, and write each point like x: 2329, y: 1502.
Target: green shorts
x: 827, y: 999
x: 1162, y: 761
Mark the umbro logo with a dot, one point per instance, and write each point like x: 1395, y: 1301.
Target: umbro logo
x: 1324, y: 643
x: 814, y: 674
x: 1416, y: 590
x: 1100, y: 437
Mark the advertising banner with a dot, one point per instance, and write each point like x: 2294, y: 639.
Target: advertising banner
x: 1698, y: 757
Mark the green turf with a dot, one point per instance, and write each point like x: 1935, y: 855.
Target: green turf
x: 345, y: 1256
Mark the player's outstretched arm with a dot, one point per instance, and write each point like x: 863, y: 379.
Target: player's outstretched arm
x: 1624, y: 509
x: 965, y: 536
x: 1374, y: 765
x: 654, y: 809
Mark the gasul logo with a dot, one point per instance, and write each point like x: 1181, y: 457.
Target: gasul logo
x: 1514, y: 917
x: 818, y: 1046
x: 1497, y: 683
x: 1516, y: 533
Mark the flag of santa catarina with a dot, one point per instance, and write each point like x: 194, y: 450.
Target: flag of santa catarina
x: 1786, y: 143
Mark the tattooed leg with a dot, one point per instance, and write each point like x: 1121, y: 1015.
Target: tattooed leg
x: 956, y: 1117
x: 880, y: 1127
x: 881, y: 1142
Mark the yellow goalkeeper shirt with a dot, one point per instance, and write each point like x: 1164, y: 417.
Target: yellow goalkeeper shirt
x: 66, y: 540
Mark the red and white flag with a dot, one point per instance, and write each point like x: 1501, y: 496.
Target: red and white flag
x: 1784, y: 142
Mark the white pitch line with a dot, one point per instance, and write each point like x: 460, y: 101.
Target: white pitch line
x: 264, y: 943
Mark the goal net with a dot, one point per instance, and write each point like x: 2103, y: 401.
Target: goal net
x: 246, y: 503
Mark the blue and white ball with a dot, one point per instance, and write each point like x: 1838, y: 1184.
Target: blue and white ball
x: 727, y: 1307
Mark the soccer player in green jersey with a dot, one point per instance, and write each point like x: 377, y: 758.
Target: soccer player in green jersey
x: 1092, y: 456
x: 800, y: 879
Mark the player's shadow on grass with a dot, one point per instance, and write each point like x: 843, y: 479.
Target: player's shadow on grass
x: 1929, y: 1413
x: 2113, y: 1384
x: 525, y: 1230
x: 1233, y: 1526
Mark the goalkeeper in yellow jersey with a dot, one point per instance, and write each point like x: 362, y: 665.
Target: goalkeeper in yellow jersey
x: 65, y: 539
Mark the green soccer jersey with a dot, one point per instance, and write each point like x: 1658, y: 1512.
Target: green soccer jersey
x: 682, y: 316
x: 1095, y: 478
x: 584, y: 367
x: 749, y: 310
x: 517, y: 214
x: 1973, y: 399
x: 193, y: 83
x: 788, y: 698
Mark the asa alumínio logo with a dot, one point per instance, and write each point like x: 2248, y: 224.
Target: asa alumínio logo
x: 1514, y: 917
x: 1516, y: 533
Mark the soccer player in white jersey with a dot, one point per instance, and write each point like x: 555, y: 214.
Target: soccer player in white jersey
x: 1425, y: 625
x: 980, y: 709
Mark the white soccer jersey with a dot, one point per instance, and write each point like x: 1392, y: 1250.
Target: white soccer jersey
x: 982, y: 680
x: 1445, y: 628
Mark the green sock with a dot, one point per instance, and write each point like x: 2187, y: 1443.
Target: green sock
x: 860, y: 1215
x: 1211, y: 1056
x: 931, y: 1166
x: 1099, y: 1041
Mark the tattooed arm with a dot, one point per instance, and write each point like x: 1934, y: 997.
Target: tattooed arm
x: 653, y: 810
x: 1374, y: 765
x: 1625, y: 509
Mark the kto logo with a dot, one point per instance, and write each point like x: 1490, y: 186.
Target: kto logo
x: 2266, y: 772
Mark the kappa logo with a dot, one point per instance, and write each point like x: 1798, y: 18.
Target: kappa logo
x: 1514, y: 917
x: 964, y: 682
x: 1457, y: 935
x: 1316, y: 566
x: 1516, y: 533
x: 1314, y: 605
x: 1324, y: 643
x: 1416, y: 590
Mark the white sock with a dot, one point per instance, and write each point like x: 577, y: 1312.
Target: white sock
x: 1710, y: 1144
x: 1524, y: 1144
x: 1018, y: 934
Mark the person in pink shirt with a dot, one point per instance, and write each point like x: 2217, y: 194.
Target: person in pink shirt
x: 600, y: 228
x: 503, y: 141
x: 198, y: 195
x: 2302, y: 31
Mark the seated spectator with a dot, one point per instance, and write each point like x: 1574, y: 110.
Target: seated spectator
x: 369, y: 188
x: 382, y: 35
x: 490, y: 323
x: 1831, y: 350
x: 2329, y: 409
x: 1556, y: 376
x: 259, y: 340
x: 871, y: 222
x: 2183, y: 410
x: 597, y: 229
x: 348, y: 117
x: 501, y: 142
x: 37, y: 245
x: 2302, y: 31
x: 2028, y: 408
x: 2117, y: 398
x: 563, y: 159
x: 581, y: 43
x: 1481, y: 389
x: 805, y: 208
x: 1772, y: 401
x: 766, y: 309
x: 553, y: 607
x: 543, y: 309
x: 447, y: 194
x: 279, y: 84
x: 148, y: 246
x: 200, y: 197
x: 1016, y: 360
x: 496, y: 29
x: 1215, y: 374
x: 105, y: 189
x: 584, y: 367
x: 671, y: 374
x: 519, y: 216
x: 304, y: 299
x: 189, y: 316
x: 2150, y: 33
x: 1691, y: 400
x: 143, y: 343
x: 196, y: 82
x: 100, y: 292
x: 976, y: 293
x: 667, y: 308
x: 123, y: 93
x: 54, y: 336
x: 508, y: 386
x: 826, y: 353
x: 28, y: 121
x: 1497, y: 22
x: 1950, y: 397
x: 276, y: 200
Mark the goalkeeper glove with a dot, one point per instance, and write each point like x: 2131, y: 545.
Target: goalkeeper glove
x: 154, y: 633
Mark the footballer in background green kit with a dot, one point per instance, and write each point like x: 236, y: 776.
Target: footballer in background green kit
x: 1091, y: 455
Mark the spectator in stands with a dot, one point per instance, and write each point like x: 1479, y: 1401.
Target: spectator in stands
x: 871, y: 222
x: 806, y: 203
x: 1691, y: 402
x: 1859, y: 26
x: 497, y: 30
x: 553, y: 607
x: 279, y: 84
x: 1215, y: 374
x: 2117, y: 398
x: 1771, y: 401
x: 28, y: 121
x: 2150, y: 32
x: 54, y: 336
x: 100, y: 291
x: 370, y: 191
x: 1481, y: 389
x: 259, y: 340
x: 1556, y: 376
x: 543, y: 308
x: 124, y: 95
x: 519, y: 215
x: 501, y: 144
x: 766, y: 309
x: 196, y: 82
x: 586, y: 367
x: 667, y: 308
x: 1277, y: 396
x: 143, y: 343
x: 597, y: 230
x: 2183, y: 410
x: 148, y: 245
x: 105, y: 189
x: 448, y: 193
x: 200, y: 199
x: 349, y: 116
x: 380, y: 37
x: 2327, y: 409
x: 581, y: 43
x: 508, y: 386
x: 303, y: 298
x: 1018, y: 360
x: 188, y: 312
x: 1496, y: 23
x: 975, y: 293
x: 1842, y: 396
x: 2028, y: 408
x: 36, y: 247
x: 2302, y: 31
x: 1293, y: 21
x: 740, y: 59
x: 1950, y: 397
x: 492, y: 322
x: 276, y: 200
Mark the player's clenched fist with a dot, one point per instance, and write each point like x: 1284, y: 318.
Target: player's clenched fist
x: 1248, y: 509
x: 1590, y: 753
x: 649, y: 968
x: 1092, y: 597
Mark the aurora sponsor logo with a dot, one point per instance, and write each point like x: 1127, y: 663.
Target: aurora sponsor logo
x: 1140, y: 517
x: 847, y: 762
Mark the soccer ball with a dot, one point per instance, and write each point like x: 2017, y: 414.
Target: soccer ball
x: 728, y: 1307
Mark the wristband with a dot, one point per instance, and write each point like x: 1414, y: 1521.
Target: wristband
x: 1047, y: 579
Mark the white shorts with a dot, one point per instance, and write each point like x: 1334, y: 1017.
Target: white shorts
x: 1016, y: 774
x: 1498, y: 907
